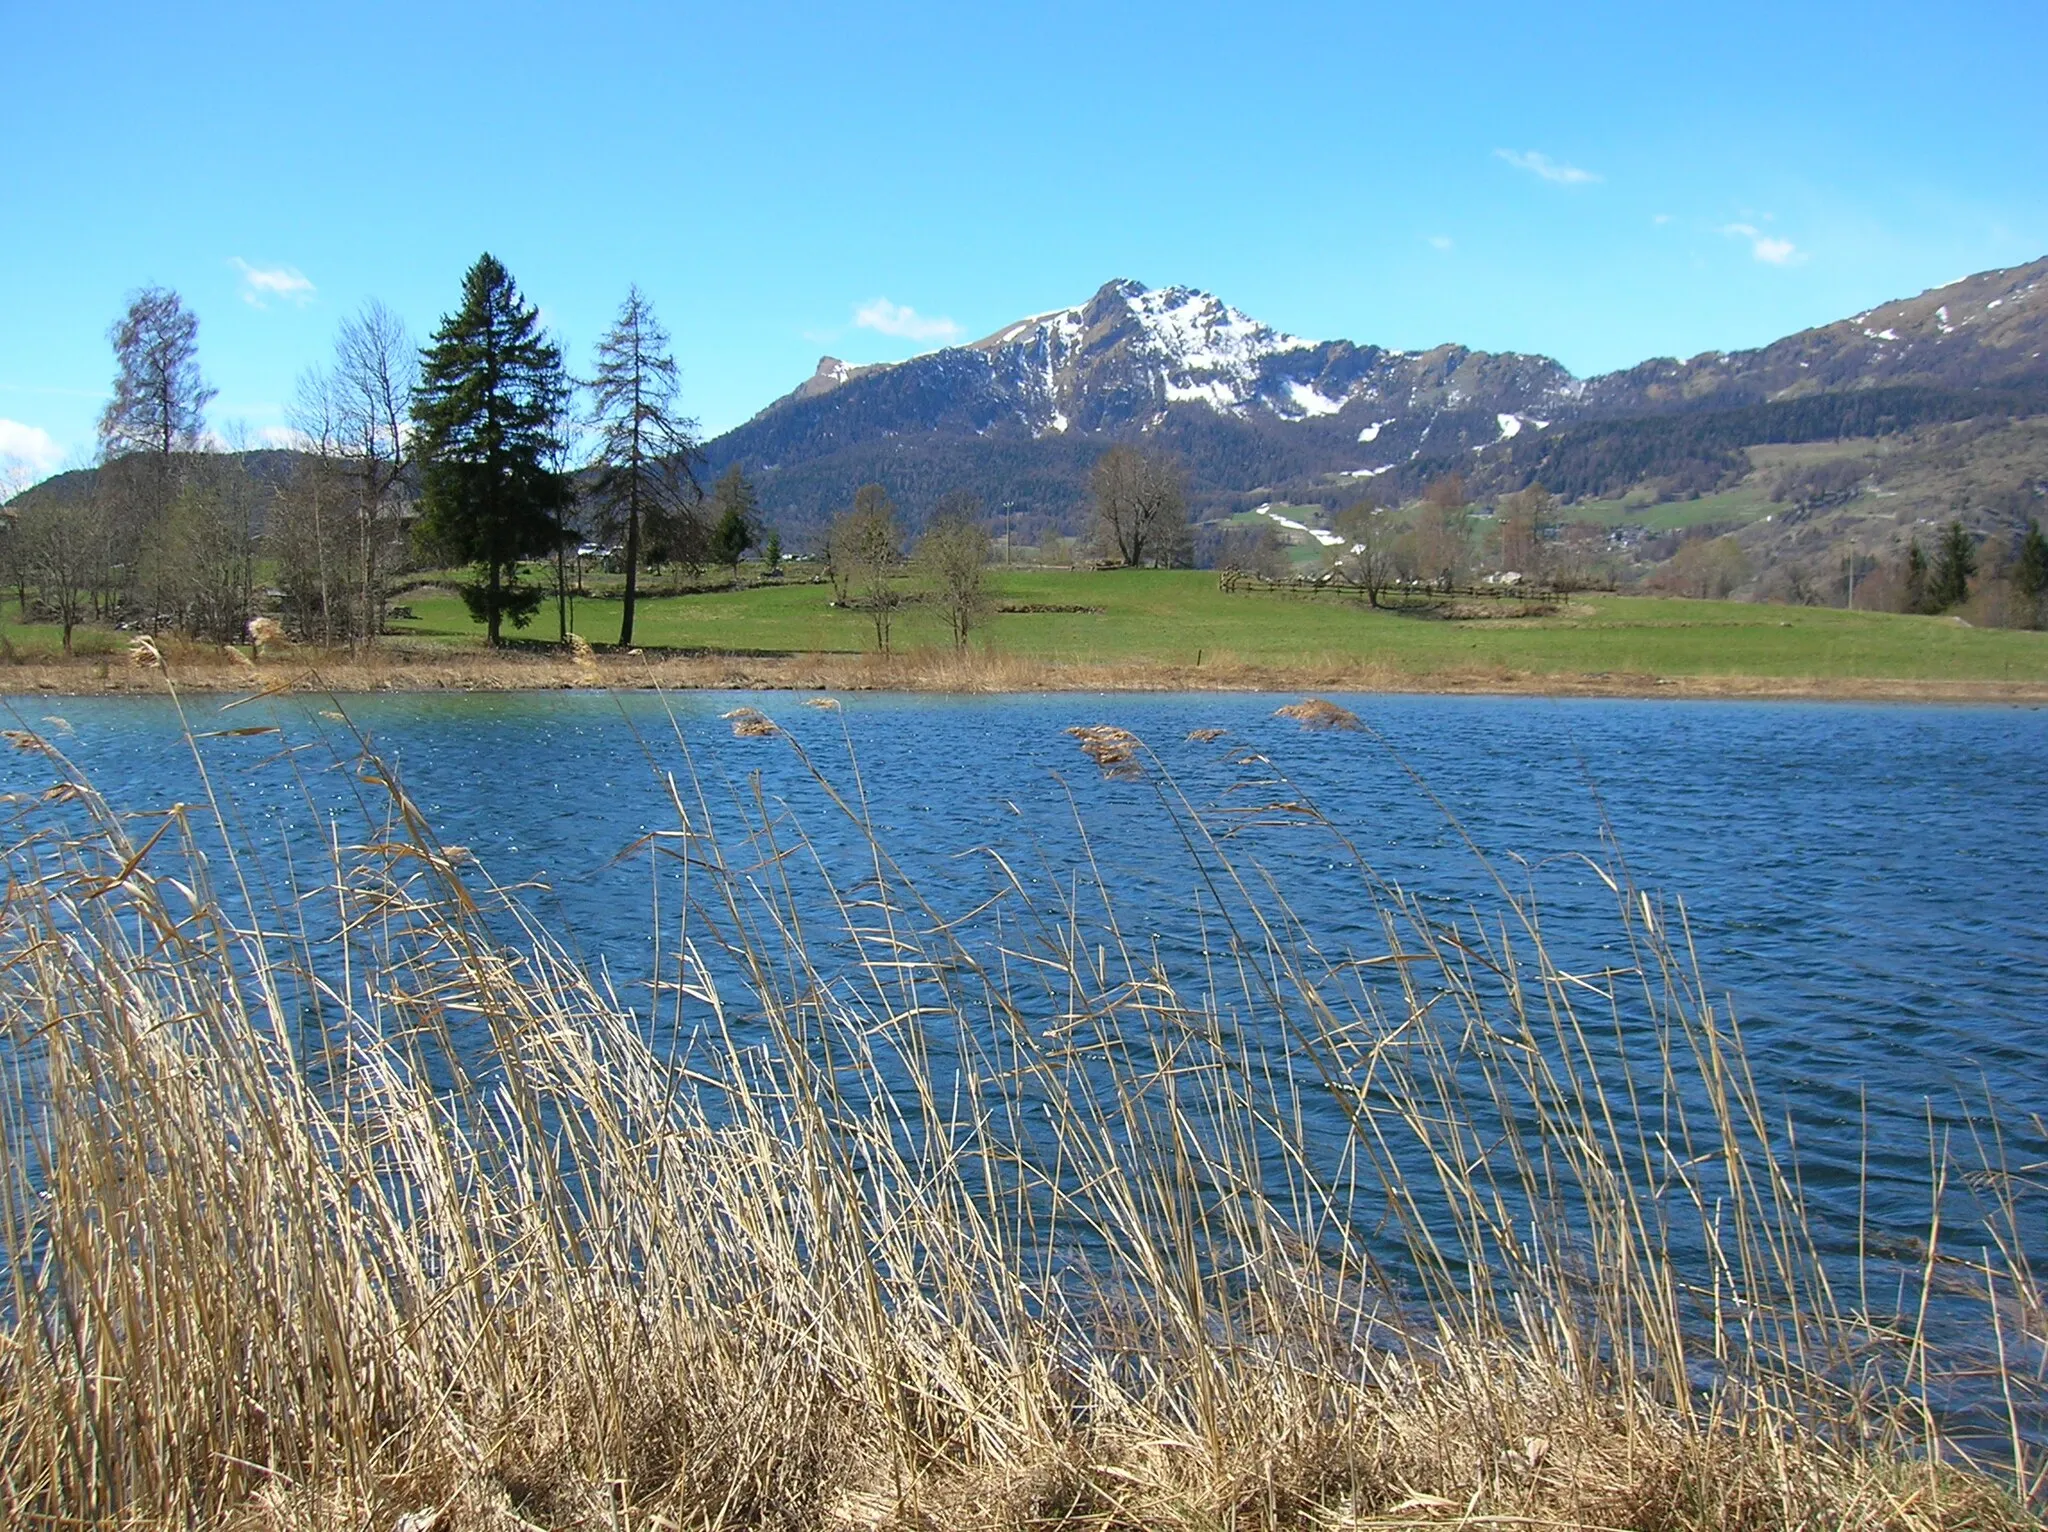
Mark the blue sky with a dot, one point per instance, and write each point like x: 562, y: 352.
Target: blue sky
x: 1600, y: 183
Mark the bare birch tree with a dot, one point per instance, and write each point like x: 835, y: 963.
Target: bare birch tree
x: 375, y: 369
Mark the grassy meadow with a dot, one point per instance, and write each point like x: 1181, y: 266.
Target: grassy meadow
x: 1122, y: 629
x: 1180, y: 619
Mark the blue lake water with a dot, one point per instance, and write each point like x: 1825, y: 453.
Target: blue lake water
x: 1867, y: 884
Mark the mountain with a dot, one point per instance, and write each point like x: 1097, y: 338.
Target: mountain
x: 1865, y: 432
x: 1254, y: 413
x: 1989, y: 330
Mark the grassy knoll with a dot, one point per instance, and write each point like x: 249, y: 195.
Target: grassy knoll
x: 1175, y: 617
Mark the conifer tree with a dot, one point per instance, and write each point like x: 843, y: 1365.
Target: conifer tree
x: 158, y: 412
x: 646, y: 451
x: 1916, y: 578
x: 1954, y: 562
x: 160, y: 398
x: 735, y: 511
x: 489, y: 409
x: 2030, y: 575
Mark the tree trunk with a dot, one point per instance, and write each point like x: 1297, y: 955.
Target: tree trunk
x: 494, y: 588
x: 632, y: 575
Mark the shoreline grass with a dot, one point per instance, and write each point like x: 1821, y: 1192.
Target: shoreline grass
x: 414, y: 667
x: 949, y: 1208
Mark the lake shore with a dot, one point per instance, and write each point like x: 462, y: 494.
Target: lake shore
x: 435, y: 668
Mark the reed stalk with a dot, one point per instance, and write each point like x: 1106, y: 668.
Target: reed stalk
x: 344, y: 1197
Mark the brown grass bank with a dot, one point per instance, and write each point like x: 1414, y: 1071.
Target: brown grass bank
x: 341, y: 1197
x: 425, y: 667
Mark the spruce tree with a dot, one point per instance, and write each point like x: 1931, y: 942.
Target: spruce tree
x: 1954, y: 562
x: 489, y: 409
x: 2030, y: 574
x: 1916, y: 578
x: 736, y: 511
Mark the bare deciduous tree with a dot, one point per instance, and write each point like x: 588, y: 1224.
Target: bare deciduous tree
x: 954, y: 552
x: 872, y: 552
x: 1706, y: 568
x: 160, y: 398
x: 1528, y: 521
x: 1443, y: 531
x: 58, y: 546
x: 646, y: 451
x: 201, y: 558
x: 1366, y: 557
x: 157, y: 412
x: 307, y: 536
x: 1141, y: 507
x: 375, y: 369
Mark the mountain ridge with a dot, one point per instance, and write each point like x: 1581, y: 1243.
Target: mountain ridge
x: 1254, y: 409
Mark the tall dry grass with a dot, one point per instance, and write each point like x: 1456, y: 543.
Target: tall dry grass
x: 341, y: 1197
x: 428, y: 666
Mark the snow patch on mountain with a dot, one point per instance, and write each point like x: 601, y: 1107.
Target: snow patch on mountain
x: 1217, y: 393
x: 1307, y: 401
x: 1327, y: 538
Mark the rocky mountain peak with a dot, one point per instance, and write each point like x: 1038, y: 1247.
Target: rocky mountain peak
x: 1018, y: 414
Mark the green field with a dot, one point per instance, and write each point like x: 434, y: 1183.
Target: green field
x: 1175, y: 616
x: 1745, y: 503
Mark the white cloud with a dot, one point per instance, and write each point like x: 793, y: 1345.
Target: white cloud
x: 27, y: 453
x: 1660, y: 219
x: 1767, y: 248
x: 1548, y: 169
x: 1439, y: 241
x: 262, y: 283
x: 900, y: 319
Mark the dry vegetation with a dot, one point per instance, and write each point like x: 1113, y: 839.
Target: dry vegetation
x: 438, y: 667
x: 342, y: 1198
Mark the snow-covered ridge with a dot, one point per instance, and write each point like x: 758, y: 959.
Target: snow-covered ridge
x: 1190, y: 346
x: 1199, y: 332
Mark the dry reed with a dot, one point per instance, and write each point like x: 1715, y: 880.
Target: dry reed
x: 1319, y: 713
x: 425, y: 666
x: 1115, y: 750
x: 402, y: 1221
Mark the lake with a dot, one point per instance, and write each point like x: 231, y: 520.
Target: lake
x: 1866, y: 884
